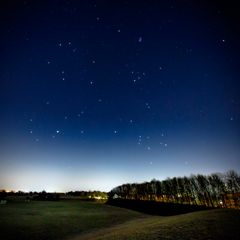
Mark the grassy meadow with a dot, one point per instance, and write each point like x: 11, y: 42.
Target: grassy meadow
x: 79, y: 220
x: 57, y: 220
x: 208, y: 224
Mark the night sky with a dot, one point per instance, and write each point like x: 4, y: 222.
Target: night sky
x: 94, y: 94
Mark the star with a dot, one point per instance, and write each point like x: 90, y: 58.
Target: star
x: 140, y: 39
x: 57, y: 131
x: 115, y: 131
x: 148, y: 148
x: 60, y: 44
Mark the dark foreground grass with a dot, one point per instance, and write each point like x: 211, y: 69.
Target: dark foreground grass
x: 78, y: 220
x: 208, y: 224
x: 57, y: 220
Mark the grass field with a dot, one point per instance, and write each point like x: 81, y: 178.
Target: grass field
x: 78, y: 220
x: 207, y: 224
x: 57, y: 220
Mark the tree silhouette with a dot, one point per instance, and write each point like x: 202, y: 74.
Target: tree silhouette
x: 214, y: 190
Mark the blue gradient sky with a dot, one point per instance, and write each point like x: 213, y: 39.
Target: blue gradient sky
x: 95, y: 94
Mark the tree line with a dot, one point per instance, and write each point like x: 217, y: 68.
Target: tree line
x: 215, y: 190
x: 50, y: 196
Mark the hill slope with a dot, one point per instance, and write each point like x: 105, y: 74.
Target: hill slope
x: 209, y: 224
